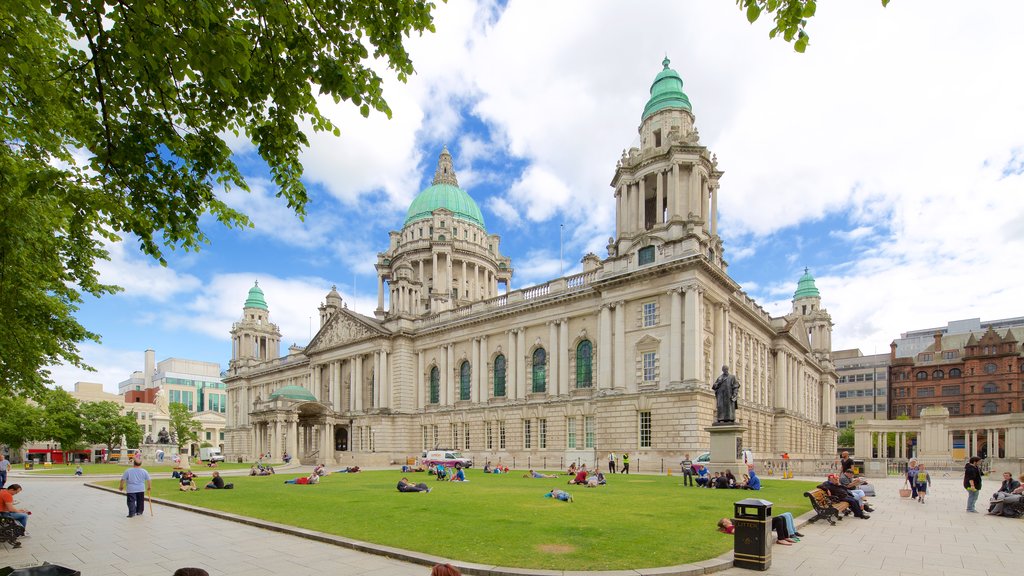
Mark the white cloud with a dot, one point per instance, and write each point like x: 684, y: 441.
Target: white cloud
x: 112, y: 366
x: 271, y: 216
x: 141, y: 276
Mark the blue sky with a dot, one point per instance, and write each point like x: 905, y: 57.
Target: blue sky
x: 889, y: 159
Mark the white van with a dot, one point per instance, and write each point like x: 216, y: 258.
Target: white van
x: 210, y: 455
x: 447, y: 457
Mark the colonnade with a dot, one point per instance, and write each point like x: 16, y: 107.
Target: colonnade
x: 673, y: 197
x: 286, y: 433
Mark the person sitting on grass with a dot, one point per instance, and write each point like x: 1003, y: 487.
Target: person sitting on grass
x: 216, y: 483
x: 751, y: 481
x: 405, y: 486
x: 581, y: 476
x: 559, y: 495
x: 534, y: 474
x: 572, y: 469
x: 311, y: 479
x: 187, y: 482
x: 596, y: 480
x: 730, y: 479
x: 440, y: 472
x: 702, y: 476
x: 459, y: 475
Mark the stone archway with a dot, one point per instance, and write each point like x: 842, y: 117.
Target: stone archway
x: 340, y: 439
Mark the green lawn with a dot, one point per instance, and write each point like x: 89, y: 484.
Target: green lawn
x: 100, y: 469
x: 633, y: 522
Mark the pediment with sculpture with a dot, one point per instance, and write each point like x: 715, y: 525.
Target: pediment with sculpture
x: 343, y: 328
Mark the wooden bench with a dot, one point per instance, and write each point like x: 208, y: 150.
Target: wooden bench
x: 10, y: 531
x: 825, y: 507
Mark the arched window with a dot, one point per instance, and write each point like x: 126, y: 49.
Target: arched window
x: 991, y: 368
x: 499, y: 376
x: 922, y: 375
x: 990, y: 388
x: 990, y: 407
x: 465, y: 371
x: 938, y: 374
x: 954, y: 372
x: 435, y: 385
x: 584, y: 370
x: 540, y: 370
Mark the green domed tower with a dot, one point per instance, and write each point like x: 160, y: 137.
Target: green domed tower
x: 443, y: 257
x: 807, y: 304
x: 254, y: 338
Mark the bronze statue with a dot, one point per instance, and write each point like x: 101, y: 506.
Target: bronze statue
x: 726, y: 389
x: 162, y: 437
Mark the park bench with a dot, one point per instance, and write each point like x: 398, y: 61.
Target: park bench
x: 10, y: 531
x: 825, y: 507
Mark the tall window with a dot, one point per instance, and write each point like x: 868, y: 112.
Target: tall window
x: 499, y: 376
x: 989, y: 388
x: 540, y: 369
x: 489, y: 435
x: 589, y: 431
x: 455, y: 435
x: 542, y: 433
x: 527, y: 435
x: 464, y: 373
x: 645, y: 429
x: 465, y: 435
x: 584, y: 370
x: 435, y: 385
x: 650, y: 314
x: 990, y: 407
x: 426, y: 444
x: 501, y: 435
x: 570, y: 427
x: 650, y: 361
x: 436, y: 437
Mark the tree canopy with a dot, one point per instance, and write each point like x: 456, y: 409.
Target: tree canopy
x: 790, y: 18
x: 19, y: 422
x: 104, y: 424
x: 183, y: 424
x: 114, y: 118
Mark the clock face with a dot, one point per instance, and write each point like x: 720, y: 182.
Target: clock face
x: 990, y: 368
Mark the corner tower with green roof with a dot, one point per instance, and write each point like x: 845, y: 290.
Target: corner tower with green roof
x: 666, y: 190
x: 807, y: 305
x: 254, y: 338
x: 443, y: 257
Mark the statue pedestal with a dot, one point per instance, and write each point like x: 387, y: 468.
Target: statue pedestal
x: 726, y: 447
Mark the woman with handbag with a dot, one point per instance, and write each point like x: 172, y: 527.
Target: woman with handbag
x: 911, y: 479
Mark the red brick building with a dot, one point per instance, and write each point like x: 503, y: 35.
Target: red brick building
x: 965, y: 374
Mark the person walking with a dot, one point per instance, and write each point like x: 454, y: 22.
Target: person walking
x: 912, y: 477
x: 972, y: 482
x: 136, y: 483
x: 5, y: 465
x: 611, y: 462
x: 686, y: 467
x: 625, y: 463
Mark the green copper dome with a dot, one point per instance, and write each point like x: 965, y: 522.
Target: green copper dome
x: 666, y: 92
x: 255, y: 299
x: 806, y: 288
x: 444, y: 192
x: 293, y: 393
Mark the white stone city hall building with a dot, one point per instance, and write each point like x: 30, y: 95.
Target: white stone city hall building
x: 619, y: 358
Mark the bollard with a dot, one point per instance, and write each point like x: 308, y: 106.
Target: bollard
x: 752, y: 546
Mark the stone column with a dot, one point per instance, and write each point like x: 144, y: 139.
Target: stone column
x: 511, y: 362
x: 714, y: 210
x: 673, y: 191
x: 275, y: 449
x: 563, y: 356
x: 327, y: 443
x: 552, y: 384
x: 691, y: 334
x: 620, y: 345
x: 704, y: 205
x: 293, y: 437
x: 358, y: 383
x: 449, y: 366
x: 675, y: 354
x: 474, y: 375
x: 385, y: 380
x: 521, y: 363
x: 419, y: 380
x: 435, y: 273
x: 720, y: 346
x: 380, y: 292
x: 659, y: 198
x: 693, y: 193
x: 481, y: 371
x: 604, y: 350
x: 314, y: 380
x: 641, y: 204
x: 618, y: 211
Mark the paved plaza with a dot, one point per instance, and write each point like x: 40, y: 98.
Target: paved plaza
x: 84, y: 528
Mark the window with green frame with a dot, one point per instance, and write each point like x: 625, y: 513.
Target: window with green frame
x: 584, y: 367
x: 499, y: 376
x: 435, y: 385
x: 646, y: 255
x: 465, y: 371
x: 540, y: 369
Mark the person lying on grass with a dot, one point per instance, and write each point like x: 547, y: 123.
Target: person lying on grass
x: 559, y: 495
x: 534, y: 474
x: 405, y: 486
x: 313, y: 478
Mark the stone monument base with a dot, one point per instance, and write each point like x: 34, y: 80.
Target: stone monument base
x: 726, y: 448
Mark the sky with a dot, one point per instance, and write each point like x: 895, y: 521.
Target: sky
x: 888, y: 160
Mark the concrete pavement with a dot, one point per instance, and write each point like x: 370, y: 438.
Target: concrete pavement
x: 85, y: 529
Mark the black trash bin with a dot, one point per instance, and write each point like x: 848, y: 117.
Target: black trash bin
x: 46, y: 569
x: 753, y: 537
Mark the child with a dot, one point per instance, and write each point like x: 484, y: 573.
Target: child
x: 921, y: 483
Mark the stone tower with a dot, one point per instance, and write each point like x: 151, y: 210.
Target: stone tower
x: 807, y: 305
x: 666, y: 191
x: 254, y: 338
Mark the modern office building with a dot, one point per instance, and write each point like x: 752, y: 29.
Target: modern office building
x: 861, y: 387
x: 619, y: 358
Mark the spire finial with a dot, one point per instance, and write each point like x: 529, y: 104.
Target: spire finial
x: 666, y: 62
x: 806, y: 270
x: 445, y: 173
x: 257, y: 282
